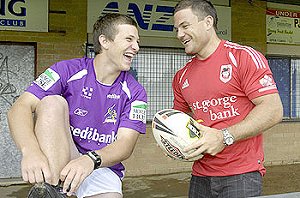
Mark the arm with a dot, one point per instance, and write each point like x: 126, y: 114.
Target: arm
x: 266, y: 113
x: 112, y: 154
x: 124, y: 144
x: 20, y: 119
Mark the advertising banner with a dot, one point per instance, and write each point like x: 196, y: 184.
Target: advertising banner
x: 283, y: 26
x: 24, y: 15
x: 154, y: 18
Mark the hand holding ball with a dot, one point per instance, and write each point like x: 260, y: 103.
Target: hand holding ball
x: 173, y: 130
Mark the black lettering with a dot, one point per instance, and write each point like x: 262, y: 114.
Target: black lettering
x: 296, y: 23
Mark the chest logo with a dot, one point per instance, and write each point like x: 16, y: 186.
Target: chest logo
x: 80, y: 112
x: 87, y: 92
x: 185, y: 84
x: 111, y: 115
x: 225, y: 73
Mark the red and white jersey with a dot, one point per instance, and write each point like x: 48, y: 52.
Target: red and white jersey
x: 219, y: 90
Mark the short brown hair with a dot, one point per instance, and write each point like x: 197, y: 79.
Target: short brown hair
x: 201, y: 8
x: 106, y: 25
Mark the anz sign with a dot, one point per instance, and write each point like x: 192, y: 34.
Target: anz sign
x: 153, y: 17
x: 143, y: 16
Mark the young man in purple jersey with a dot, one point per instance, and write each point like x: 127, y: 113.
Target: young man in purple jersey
x: 88, y: 114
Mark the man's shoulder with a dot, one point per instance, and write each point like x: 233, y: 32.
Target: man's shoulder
x: 238, y: 49
x: 73, y: 66
x: 131, y: 79
x: 182, y: 70
x: 75, y: 63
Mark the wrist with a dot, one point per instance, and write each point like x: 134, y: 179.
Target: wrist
x: 95, y: 157
x: 228, y: 138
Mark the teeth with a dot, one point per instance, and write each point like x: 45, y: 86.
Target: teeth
x: 186, y: 41
x: 129, y: 54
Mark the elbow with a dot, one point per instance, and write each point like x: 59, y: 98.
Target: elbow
x: 127, y: 155
x: 280, y: 117
x: 277, y: 109
x: 278, y: 114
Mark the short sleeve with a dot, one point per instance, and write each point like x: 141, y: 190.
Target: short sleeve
x: 179, y: 102
x: 50, y: 82
x: 134, y: 113
x: 257, y: 78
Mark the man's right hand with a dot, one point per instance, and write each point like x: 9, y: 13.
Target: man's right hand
x: 35, y: 168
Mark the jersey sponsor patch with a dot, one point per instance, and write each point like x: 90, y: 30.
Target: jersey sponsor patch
x: 47, y: 79
x: 138, y: 111
x: 267, y: 83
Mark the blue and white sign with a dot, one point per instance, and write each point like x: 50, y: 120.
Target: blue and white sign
x: 24, y: 15
x: 154, y: 18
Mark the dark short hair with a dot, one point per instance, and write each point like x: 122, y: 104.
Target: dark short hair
x: 201, y: 8
x: 107, y: 25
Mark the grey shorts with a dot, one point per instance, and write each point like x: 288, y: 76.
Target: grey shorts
x: 236, y: 186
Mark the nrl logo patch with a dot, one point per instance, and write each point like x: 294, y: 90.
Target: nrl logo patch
x: 47, y: 79
x: 225, y: 73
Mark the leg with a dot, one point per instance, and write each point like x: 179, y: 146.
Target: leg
x: 101, y: 183
x: 244, y: 185
x: 200, y: 187
x: 53, y: 133
x: 106, y: 195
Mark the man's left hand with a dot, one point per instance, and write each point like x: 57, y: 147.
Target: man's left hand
x: 75, y: 172
x: 211, y: 142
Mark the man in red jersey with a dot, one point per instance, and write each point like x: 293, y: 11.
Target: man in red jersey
x: 231, y: 89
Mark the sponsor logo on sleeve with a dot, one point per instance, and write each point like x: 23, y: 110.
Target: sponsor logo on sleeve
x: 267, y: 83
x: 138, y: 111
x: 47, y: 79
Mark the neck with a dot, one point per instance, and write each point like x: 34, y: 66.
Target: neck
x: 210, y: 48
x: 104, y: 70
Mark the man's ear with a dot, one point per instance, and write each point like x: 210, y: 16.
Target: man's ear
x: 209, y: 21
x: 104, y: 42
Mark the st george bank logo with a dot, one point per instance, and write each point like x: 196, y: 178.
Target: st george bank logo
x: 143, y: 15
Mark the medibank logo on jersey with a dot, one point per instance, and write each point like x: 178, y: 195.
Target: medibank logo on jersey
x: 209, y: 105
x: 90, y: 133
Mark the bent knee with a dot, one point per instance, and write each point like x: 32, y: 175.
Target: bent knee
x: 52, y: 103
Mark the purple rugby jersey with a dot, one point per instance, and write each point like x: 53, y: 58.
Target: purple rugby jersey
x: 96, y: 110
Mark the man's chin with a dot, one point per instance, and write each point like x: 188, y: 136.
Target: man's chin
x: 189, y: 52
x: 126, y: 68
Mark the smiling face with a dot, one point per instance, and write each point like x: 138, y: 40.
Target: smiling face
x: 124, y: 47
x: 193, y: 33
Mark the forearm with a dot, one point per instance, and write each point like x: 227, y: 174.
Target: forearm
x: 265, y: 114
x: 110, y: 157
x: 21, y: 126
x: 119, y: 150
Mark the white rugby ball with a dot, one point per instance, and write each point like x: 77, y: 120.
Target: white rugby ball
x: 173, y: 130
